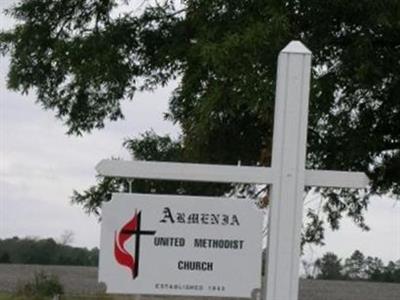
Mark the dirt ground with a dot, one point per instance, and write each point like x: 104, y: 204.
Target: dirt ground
x: 83, y: 281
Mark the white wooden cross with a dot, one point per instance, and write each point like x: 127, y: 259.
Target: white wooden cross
x: 287, y: 175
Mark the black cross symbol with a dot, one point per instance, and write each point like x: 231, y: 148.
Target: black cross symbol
x: 137, y: 234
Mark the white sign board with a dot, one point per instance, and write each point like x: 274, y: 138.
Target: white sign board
x: 180, y: 245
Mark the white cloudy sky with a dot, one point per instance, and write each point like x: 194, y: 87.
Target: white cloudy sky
x: 40, y: 166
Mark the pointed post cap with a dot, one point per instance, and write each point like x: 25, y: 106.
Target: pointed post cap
x: 296, y: 47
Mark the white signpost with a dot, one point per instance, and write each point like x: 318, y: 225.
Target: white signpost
x: 287, y: 175
x: 180, y: 245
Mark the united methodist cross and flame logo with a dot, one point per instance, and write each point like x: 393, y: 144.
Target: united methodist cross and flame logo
x: 122, y: 255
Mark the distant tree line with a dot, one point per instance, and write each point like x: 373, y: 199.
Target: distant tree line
x: 356, y: 267
x: 45, y: 252
x: 329, y: 267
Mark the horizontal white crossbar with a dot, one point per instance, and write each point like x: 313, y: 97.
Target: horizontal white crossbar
x: 222, y: 173
x: 184, y: 171
x: 337, y: 179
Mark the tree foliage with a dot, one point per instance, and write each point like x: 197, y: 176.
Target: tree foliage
x: 148, y: 146
x: 330, y: 267
x: 356, y: 267
x: 83, y: 58
x: 45, y: 252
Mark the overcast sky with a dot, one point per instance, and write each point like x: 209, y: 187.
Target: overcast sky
x: 40, y: 166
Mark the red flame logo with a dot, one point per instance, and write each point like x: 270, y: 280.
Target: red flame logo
x: 122, y: 256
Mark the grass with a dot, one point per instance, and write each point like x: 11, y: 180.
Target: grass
x: 9, y: 296
x: 6, y: 296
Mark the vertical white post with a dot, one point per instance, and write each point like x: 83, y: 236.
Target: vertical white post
x: 288, y: 165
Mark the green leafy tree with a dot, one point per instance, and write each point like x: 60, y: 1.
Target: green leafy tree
x: 45, y: 252
x: 5, y: 258
x: 374, y: 268
x: 396, y: 273
x: 148, y: 147
x: 83, y: 58
x: 329, y: 267
x: 391, y: 272
x: 354, y: 266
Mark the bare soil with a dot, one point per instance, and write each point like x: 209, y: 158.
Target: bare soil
x: 83, y: 281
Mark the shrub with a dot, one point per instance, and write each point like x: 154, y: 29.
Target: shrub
x: 43, y: 285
